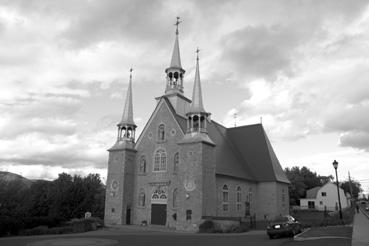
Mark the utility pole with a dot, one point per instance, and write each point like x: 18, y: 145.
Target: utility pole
x: 351, y: 192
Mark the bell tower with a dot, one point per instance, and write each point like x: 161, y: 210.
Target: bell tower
x: 197, y: 167
x: 120, y: 180
x: 175, y: 72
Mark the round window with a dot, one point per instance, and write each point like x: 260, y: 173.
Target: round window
x: 114, y: 184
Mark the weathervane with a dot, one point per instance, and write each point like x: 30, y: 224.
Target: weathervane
x: 177, y: 24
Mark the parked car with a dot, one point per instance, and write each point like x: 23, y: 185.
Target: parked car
x: 367, y: 208
x: 284, y: 225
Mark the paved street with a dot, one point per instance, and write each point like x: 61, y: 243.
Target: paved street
x: 254, y: 238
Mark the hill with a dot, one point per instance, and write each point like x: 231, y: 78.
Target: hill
x: 10, y: 177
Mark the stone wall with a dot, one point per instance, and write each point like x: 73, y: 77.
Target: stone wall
x: 248, y: 189
x: 146, y: 146
x: 118, y: 186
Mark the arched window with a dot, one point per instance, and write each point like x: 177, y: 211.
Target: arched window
x: 142, y: 165
x: 195, y: 123
x: 238, y: 198
x: 141, y: 198
x: 175, y: 201
x: 161, y: 132
x: 225, y: 198
x: 160, y: 161
x: 175, y: 162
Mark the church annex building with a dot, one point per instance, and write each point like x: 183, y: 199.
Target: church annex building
x: 185, y: 168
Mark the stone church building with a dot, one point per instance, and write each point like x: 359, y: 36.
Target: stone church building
x: 185, y: 168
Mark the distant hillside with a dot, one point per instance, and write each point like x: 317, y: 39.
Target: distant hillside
x: 9, y: 177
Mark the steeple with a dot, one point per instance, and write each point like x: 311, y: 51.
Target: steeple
x: 175, y: 71
x: 196, y: 105
x: 127, y: 127
x: 196, y: 115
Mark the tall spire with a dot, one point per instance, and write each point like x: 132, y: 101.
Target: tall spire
x: 175, y: 71
x: 196, y: 104
x: 127, y: 117
x: 176, y: 57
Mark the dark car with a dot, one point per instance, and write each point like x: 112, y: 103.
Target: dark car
x: 284, y: 225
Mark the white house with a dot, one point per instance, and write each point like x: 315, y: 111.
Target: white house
x: 324, y: 197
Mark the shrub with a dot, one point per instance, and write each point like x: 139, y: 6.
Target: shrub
x: 208, y: 226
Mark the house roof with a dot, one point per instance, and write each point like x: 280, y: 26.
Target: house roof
x: 313, y: 192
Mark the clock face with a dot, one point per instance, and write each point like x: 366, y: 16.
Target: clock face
x: 114, y: 184
x: 189, y: 185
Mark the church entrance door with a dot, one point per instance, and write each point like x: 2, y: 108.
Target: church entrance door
x: 158, y: 214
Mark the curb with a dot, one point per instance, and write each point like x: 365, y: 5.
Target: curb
x: 317, y: 238
x: 298, y: 238
x: 364, y: 212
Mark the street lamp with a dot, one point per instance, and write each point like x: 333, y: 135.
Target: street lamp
x: 335, y: 165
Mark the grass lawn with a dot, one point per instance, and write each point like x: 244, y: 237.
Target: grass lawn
x: 314, y: 218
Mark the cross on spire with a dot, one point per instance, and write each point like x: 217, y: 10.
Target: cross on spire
x: 197, y: 51
x: 130, y: 72
x: 177, y: 24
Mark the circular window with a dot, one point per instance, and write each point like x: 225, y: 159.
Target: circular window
x: 150, y: 135
x: 173, y: 132
x: 114, y: 184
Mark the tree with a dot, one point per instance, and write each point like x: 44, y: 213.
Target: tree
x: 301, y: 180
x: 356, y: 187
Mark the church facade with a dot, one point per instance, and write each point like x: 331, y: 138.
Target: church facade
x: 185, y: 168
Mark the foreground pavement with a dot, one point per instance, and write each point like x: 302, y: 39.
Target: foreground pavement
x: 360, y: 235
x: 137, y: 236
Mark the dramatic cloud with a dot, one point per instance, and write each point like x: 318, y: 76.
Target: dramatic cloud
x: 300, y: 65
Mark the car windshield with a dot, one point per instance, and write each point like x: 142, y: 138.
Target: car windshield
x: 281, y: 219
x: 284, y: 218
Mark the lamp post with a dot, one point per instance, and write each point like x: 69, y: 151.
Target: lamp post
x: 335, y: 165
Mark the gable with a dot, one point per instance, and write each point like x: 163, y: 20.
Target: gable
x: 163, y: 113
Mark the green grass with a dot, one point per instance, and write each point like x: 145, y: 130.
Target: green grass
x: 314, y: 218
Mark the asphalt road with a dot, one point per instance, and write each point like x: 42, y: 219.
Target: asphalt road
x: 176, y: 239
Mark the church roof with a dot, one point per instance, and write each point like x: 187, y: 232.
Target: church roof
x: 242, y: 152
x: 255, y: 147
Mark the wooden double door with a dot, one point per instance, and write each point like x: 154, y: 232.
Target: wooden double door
x: 158, y: 214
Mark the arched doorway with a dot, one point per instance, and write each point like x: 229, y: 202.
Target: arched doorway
x: 159, y: 200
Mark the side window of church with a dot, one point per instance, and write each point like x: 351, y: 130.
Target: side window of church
x: 161, y: 132
x: 160, y: 161
x: 142, y: 165
x: 225, y: 198
x: 238, y: 198
x: 175, y: 200
x: 141, y: 198
x: 175, y: 162
x: 188, y: 214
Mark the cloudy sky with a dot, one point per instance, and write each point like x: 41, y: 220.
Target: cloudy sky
x: 302, y: 66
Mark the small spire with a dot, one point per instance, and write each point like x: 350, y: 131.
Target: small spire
x: 196, y: 104
x: 176, y: 57
x: 127, y: 117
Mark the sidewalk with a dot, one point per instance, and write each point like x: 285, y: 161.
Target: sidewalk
x: 360, y: 235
